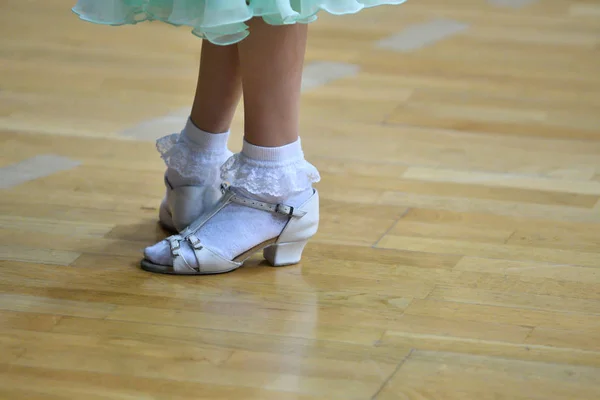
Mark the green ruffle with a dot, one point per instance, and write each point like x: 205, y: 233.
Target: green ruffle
x: 221, y: 22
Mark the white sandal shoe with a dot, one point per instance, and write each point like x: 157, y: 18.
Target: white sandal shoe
x: 285, y: 249
x: 183, y: 205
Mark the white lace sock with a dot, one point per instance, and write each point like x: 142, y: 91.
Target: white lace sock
x: 194, y: 157
x: 274, y: 175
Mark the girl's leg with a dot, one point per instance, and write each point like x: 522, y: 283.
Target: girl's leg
x: 271, y: 167
x: 272, y: 58
x: 219, y: 88
x: 195, y: 156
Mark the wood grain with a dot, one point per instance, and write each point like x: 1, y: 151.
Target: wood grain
x: 458, y: 255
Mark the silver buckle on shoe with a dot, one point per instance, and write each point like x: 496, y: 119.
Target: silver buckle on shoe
x: 175, y: 246
x: 194, y: 241
x: 285, y: 210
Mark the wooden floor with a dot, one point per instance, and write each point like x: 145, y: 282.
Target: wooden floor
x: 459, y: 250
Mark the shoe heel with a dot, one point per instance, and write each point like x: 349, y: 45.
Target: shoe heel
x: 282, y: 254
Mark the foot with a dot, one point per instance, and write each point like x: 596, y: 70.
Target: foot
x: 192, y: 179
x: 236, y: 228
x: 184, y: 204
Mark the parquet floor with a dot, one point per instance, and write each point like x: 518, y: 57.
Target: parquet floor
x: 459, y: 250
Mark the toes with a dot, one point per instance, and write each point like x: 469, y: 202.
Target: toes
x: 159, y: 254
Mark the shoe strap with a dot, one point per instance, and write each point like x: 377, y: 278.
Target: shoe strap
x: 198, y: 223
x: 175, y: 244
x: 229, y: 196
x: 264, y: 206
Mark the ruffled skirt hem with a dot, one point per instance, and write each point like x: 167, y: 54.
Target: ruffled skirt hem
x: 221, y: 22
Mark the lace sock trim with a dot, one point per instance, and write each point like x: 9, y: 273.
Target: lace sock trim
x: 190, y: 160
x: 277, y: 179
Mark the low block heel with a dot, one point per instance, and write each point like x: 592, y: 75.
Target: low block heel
x: 282, y: 254
x: 284, y: 249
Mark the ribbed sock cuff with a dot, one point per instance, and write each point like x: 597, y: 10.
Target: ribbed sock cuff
x: 276, y: 155
x: 213, y: 142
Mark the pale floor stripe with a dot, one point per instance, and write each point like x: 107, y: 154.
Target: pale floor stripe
x: 316, y: 74
x: 420, y: 35
x: 497, y: 207
x: 39, y: 256
x: 155, y: 128
x: 585, y: 10
x: 502, y: 180
x: 54, y: 226
x: 320, y: 73
x: 34, y: 168
x: 511, y: 3
x: 493, y: 250
x: 564, y: 272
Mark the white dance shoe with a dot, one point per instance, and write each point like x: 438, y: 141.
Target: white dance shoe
x: 284, y: 249
x: 184, y: 204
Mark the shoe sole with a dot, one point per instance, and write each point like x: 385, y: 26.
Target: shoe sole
x: 168, y: 270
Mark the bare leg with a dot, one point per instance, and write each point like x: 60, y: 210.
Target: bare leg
x: 219, y: 88
x: 271, y: 59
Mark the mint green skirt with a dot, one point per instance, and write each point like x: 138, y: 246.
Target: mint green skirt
x: 218, y: 21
